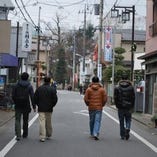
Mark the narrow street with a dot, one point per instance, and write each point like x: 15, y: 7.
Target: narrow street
x: 71, y: 135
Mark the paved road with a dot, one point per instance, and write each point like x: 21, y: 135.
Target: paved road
x: 71, y: 135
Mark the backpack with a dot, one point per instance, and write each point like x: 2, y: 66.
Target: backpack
x: 21, y: 95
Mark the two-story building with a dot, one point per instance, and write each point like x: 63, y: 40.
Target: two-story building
x: 151, y: 58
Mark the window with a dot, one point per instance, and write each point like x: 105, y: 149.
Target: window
x: 153, y: 27
x: 155, y: 11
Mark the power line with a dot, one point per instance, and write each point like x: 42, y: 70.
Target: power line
x: 28, y: 13
x: 21, y: 11
x: 110, y: 9
x: 65, y: 5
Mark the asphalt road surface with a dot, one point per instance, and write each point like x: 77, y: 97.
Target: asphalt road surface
x: 71, y: 135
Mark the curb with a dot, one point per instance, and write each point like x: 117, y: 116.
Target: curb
x: 5, y: 119
x: 135, y: 118
x: 5, y: 122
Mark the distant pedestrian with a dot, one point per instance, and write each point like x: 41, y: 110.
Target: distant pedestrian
x: 124, y: 97
x: 95, y: 98
x: 53, y: 83
x: 81, y: 89
x: 22, y: 94
x: 46, y: 98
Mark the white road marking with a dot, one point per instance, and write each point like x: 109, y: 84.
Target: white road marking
x: 147, y: 143
x: 8, y: 147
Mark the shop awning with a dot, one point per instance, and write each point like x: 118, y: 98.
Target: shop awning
x: 8, y: 60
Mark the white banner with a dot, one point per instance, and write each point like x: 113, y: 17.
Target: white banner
x: 99, y: 71
x: 27, y: 37
x: 108, y: 44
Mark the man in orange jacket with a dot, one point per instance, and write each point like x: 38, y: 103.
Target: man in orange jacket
x: 95, y: 98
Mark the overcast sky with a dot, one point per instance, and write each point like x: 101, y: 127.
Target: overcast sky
x: 71, y: 11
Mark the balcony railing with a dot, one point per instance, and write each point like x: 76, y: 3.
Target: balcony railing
x: 153, y: 29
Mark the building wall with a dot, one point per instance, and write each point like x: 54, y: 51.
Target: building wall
x: 150, y: 41
x: 127, y: 47
x: 151, y: 70
x: 5, y: 32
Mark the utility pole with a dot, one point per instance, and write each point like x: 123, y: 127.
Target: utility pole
x: 17, y: 50
x: 74, y: 53
x: 113, y: 62
x: 126, y: 17
x: 99, y: 66
x: 38, y: 51
x: 84, y: 40
x: 132, y: 40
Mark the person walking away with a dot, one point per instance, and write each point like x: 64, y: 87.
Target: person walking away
x: 53, y: 84
x: 81, y: 89
x: 45, y: 98
x: 95, y: 98
x: 22, y: 96
x: 124, y: 98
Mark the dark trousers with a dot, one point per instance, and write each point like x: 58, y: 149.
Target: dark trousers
x: 124, y: 120
x: 18, y: 115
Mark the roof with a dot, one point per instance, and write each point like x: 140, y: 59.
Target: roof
x: 139, y: 35
x: 147, y: 55
x: 6, y: 4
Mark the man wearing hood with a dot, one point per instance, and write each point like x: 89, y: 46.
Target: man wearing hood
x: 124, y: 98
x: 95, y: 98
x: 22, y: 95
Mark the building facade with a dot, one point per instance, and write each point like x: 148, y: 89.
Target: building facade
x: 151, y: 58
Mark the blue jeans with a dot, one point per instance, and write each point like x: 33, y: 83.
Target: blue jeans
x: 95, y: 122
x: 124, y: 120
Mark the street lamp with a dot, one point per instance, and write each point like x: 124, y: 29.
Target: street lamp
x: 125, y: 16
x: 74, y: 53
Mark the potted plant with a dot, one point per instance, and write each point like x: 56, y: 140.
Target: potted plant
x: 154, y: 119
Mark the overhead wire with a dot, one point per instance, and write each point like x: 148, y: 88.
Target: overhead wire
x: 28, y: 13
x: 21, y: 11
x: 65, y: 5
x: 110, y: 9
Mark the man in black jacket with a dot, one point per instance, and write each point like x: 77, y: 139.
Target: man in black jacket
x: 124, y: 97
x: 45, y: 98
x: 22, y: 94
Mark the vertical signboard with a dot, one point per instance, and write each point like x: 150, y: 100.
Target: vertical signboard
x: 99, y: 72
x: 108, y: 44
x: 27, y: 37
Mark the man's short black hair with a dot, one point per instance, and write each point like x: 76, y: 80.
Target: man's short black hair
x: 95, y: 79
x: 24, y: 76
x: 47, y: 79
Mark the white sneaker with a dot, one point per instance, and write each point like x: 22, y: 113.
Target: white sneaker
x: 42, y: 140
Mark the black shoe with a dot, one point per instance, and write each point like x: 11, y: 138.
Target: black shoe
x: 18, y: 138
x: 127, y: 136
x: 24, y: 136
x: 96, y: 138
x: 122, y: 138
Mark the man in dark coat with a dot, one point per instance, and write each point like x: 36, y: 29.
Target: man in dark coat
x: 22, y: 94
x: 45, y: 98
x: 124, y: 97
